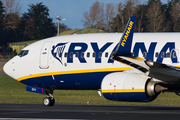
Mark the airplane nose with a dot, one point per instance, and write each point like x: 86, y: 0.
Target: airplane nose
x: 8, y: 68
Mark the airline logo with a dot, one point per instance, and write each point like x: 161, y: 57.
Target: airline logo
x: 128, y: 30
x: 81, y: 48
x: 58, y: 50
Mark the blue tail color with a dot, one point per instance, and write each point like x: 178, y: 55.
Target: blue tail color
x: 124, y: 45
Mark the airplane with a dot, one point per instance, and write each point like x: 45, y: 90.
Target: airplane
x: 124, y: 66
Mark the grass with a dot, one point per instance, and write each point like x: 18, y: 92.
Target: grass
x: 24, y: 42
x: 12, y: 91
x: 90, y: 30
x: 82, y: 31
x: 69, y: 32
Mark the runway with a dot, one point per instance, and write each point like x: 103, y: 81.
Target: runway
x: 2, y: 63
x: 92, y: 112
x: 2, y: 73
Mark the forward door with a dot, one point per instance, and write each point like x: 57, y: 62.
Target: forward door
x: 44, y: 55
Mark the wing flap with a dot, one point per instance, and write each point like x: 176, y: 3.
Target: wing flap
x: 133, y: 63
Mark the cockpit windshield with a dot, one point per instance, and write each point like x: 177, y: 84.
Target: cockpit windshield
x: 23, y: 53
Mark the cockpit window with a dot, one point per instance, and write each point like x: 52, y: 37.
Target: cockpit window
x: 23, y: 53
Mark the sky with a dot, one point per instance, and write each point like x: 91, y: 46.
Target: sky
x: 71, y: 10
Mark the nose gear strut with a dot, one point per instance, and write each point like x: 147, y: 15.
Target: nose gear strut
x: 49, y: 100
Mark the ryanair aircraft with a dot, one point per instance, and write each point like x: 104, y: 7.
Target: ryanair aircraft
x: 131, y: 68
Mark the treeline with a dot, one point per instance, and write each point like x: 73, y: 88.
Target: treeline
x: 152, y: 16
x: 33, y: 25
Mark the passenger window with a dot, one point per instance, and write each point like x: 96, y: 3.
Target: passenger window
x: 82, y: 54
x: 162, y: 55
x: 144, y: 54
x: 174, y: 54
x: 106, y: 54
x: 65, y: 55
x: 168, y: 54
x: 100, y: 54
x: 88, y: 54
x: 71, y: 55
x: 60, y: 54
x: 157, y: 54
x: 94, y: 54
x: 23, y: 53
x: 77, y: 54
x: 132, y: 54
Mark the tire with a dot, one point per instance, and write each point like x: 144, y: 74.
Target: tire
x: 47, y: 101
x: 52, y: 102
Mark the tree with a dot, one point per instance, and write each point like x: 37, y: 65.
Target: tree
x: 95, y: 18
x: 37, y: 23
x: 63, y: 27
x: 12, y: 6
x: 12, y: 14
x: 109, y: 15
x: 152, y: 16
x: 12, y: 20
x: 116, y: 24
x: 129, y: 8
x: 121, y: 17
x: 1, y: 23
x: 156, y: 17
x: 175, y: 15
x: 88, y: 21
x: 141, y: 20
x: 124, y: 12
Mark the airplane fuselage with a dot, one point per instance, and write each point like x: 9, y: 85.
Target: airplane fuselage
x: 82, y: 61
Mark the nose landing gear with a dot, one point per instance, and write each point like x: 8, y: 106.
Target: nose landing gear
x: 49, y: 100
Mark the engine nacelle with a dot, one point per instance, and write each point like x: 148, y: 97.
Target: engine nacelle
x: 124, y: 86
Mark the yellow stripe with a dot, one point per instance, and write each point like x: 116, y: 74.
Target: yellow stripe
x: 135, y: 58
x: 138, y: 58
x: 122, y: 90
x: 73, y: 72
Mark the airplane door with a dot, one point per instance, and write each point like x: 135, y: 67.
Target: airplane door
x: 44, y: 55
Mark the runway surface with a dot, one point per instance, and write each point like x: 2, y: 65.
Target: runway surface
x: 92, y: 112
x: 2, y: 73
x: 2, y: 63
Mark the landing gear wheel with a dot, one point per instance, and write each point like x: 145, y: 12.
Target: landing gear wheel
x: 48, y: 101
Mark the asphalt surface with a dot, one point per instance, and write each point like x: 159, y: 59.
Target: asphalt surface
x: 2, y: 73
x: 2, y: 63
x: 92, y: 112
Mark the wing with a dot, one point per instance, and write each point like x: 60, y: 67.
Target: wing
x: 162, y: 72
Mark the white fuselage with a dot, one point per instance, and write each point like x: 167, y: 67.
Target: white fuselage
x: 40, y: 61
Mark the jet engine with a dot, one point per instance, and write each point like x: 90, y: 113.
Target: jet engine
x: 125, y: 86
